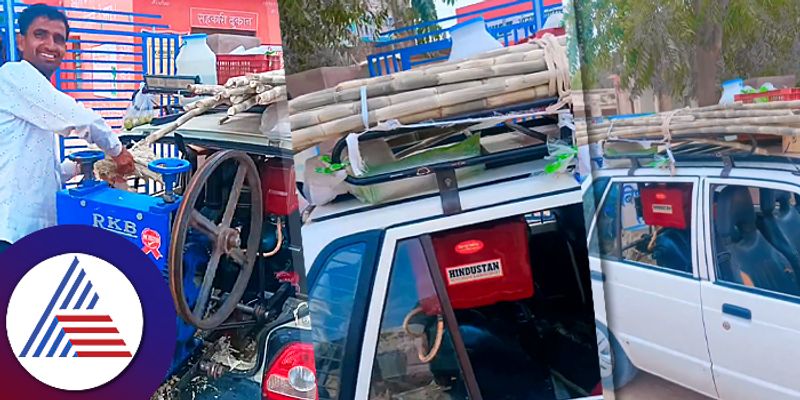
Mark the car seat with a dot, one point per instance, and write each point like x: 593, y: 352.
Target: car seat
x: 502, y: 367
x: 776, y: 225
x: 749, y: 251
x: 673, y: 249
x: 788, y: 218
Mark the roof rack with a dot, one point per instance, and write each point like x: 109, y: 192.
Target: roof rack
x: 700, y: 151
x: 446, y: 133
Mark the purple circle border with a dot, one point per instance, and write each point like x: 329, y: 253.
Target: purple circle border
x: 150, y: 364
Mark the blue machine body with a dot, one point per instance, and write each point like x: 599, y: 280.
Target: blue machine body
x: 146, y: 222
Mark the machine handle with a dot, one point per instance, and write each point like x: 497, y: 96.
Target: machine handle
x: 86, y: 160
x: 87, y: 156
x: 737, y: 311
x: 169, y: 168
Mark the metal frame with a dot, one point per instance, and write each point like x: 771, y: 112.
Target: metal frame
x: 445, y: 172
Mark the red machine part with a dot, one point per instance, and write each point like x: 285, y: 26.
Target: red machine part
x: 482, y: 265
x: 278, y: 186
x: 666, y: 206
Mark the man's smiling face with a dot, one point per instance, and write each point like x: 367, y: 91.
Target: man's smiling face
x: 44, y: 44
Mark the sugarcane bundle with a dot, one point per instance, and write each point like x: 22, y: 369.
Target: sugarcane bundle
x: 513, y: 75
x: 779, y: 119
x: 239, y: 93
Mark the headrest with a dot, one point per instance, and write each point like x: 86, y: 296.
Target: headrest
x: 783, y: 197
x: 767, y: 201
x: 736, y: 215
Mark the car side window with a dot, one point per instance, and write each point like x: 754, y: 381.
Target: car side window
x: 331, y: 305
x: 756, y: 238
x: 415, y: 356
x: 648, y: 223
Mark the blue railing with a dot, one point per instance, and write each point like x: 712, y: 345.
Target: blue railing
x: 109, y: 52
x: 411, y: 46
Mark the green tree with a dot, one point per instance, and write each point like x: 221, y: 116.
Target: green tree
x: 322, y: 33
x: 685, y: 48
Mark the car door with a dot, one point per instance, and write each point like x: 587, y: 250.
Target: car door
x: 339, y: 285
x: 393, y: 362
x: 753, y: 331
x: 652, y: 304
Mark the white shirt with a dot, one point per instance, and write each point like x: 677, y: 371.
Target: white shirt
x: 31, y: 111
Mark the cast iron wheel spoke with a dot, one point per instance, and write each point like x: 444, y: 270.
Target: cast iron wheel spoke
x: 233, y: 199
x: 208, y: 281
x: 239, y: 257
x: 205, y: 225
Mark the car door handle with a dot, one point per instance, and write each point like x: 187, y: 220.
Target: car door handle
x: 737, y: 311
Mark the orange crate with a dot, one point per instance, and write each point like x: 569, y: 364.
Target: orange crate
x: 772, y: 95
x: 230, y: 65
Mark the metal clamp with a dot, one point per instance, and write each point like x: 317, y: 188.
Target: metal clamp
x: 727, y: 162
x: 448, y: 190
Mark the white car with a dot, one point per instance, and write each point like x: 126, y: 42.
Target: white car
x: 476, y: 292
x: 695, y: 275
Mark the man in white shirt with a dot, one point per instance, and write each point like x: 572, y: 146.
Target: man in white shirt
x: 31, y: 112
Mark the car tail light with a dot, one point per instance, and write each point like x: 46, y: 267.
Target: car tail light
x: 293, y: 375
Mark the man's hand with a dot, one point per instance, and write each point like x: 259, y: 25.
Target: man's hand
x: 125, y: 163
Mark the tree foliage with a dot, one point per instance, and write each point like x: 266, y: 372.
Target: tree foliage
x: 685, y: 48
x: 322, y: 33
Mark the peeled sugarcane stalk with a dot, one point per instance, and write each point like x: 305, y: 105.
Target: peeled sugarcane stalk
x: 271, y: 96
x: 207, y: 103
x: 239, y: 99
x: 206, y: 89
x: 172, y: 126
x: 240, y: 91
x: 259, y: 87
x: 273, y: 80
x: 247, y: 104
x: 237, y: 81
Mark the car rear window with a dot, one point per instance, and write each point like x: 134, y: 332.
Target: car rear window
x: 332, y: 299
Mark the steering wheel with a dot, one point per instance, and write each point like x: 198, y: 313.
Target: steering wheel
x: 225, y: 239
